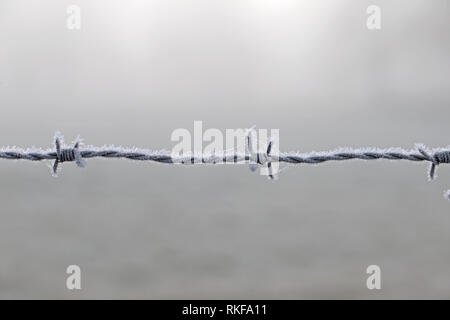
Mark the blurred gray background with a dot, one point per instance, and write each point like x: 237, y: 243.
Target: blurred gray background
x: 137, y: 70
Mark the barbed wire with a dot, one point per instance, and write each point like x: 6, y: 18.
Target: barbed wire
x: 254, y: 158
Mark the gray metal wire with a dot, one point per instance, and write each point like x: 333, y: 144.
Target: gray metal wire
x: 75, y: 154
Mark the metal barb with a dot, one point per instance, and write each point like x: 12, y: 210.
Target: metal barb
x: 67, y: 154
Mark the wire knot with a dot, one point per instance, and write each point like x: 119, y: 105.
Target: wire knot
x: 67, y: 154
x: 258, y: 159
x: 441, y: 157
x: 436, y: 159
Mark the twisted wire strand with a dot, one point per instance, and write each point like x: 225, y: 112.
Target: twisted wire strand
x: 417, y: 155
x: 166, y: 157
x: 62, y: 153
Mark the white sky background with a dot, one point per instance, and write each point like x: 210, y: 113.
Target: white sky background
x: 231, y: 63
x: 137, y: 70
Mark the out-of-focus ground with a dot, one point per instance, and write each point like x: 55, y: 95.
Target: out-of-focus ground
x: 138, y: 70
